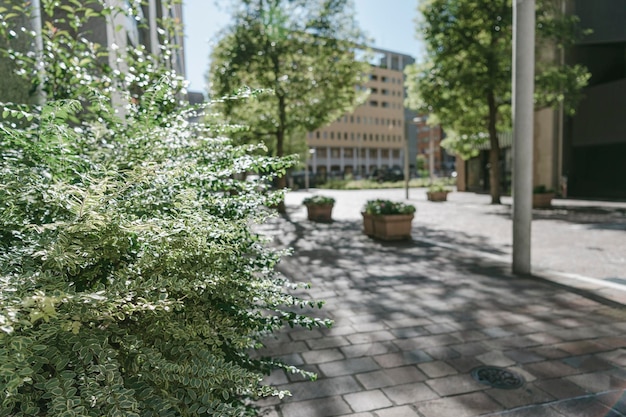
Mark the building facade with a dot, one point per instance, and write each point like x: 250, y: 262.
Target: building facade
x: 584, y: 155
x: 429, y: 141
x: 375, y: 134
x: 115, y: 32
x: 593, y: 150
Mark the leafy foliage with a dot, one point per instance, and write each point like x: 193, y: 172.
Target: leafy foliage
x: 384, y: 207
x: 438, y: 187
x: 318, y: 200
x: 132, y: 282
x: 466, y: 78
x: 302, y: 53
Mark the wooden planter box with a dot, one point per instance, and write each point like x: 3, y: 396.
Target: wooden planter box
x: 320, y: 213
x: 543, y: 200
x: 437, y: 195
x: 368, y: 224
x: 388, y: 227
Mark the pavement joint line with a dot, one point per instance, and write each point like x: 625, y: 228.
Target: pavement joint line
x: 541, y: 273
x: 551, y: 403
x: 601, y: 282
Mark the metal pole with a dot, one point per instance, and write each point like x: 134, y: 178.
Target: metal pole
x: 306, y: 169
x: 523, y: 112
x: 406, y: 163
x: 431, y: 154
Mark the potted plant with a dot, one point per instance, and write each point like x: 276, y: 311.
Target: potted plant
x: 319, y: 208
x: 387, y: 220
x: 542, y: 197
x: 437, y: 192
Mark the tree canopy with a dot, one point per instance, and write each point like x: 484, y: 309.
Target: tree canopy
x: 466, y: 78
x: 303, y: 53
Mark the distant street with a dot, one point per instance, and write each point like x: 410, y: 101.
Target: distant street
x: 576, y: 238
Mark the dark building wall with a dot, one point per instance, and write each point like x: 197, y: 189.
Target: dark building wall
x: 595, y: 138
x: 607, y: 19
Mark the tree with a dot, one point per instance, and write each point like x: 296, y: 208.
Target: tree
x: 465, y: 81
x: 303, y: 51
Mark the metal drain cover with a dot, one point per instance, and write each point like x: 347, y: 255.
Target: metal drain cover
x: 497, y: 377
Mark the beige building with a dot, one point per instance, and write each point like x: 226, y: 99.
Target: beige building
x: 375, y: 134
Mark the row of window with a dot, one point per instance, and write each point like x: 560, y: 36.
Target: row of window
x: 385, y: 79
x: 369, y: 120
x: 386, y: 92
x: 385, y: 104
x: 358, y: 136
x: 360, y: 153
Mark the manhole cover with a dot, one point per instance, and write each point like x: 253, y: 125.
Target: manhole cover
x: 497, y: 377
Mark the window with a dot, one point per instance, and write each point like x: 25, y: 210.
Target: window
x: 384, y: 92
x: 384, y: 79
x: 351, y: 119
x: 376, y: 121
x: 371, y: 137
x: 384, y: 104
x: 345, y: 135
x: 334, y: 153
x: 352, y: 136
x: 325, y: 135
x: 317, y: 134
x: 376, y: 137
x: 373, y: 77
x: 373, y: 103
x: 347, y: 152
x: 374, y: 90
x: 332, y: 135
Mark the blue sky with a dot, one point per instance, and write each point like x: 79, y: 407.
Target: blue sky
x: 389, y: 22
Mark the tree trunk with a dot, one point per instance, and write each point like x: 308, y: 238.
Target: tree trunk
x: 494, y: 152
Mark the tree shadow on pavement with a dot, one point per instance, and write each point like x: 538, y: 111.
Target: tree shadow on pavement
x: 401, y: 304
x: 588, y: 216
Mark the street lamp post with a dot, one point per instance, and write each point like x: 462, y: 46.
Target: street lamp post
x: 406, y: 165
x: 431, y: 154
x: 431, y: 145
x: 306, y: 169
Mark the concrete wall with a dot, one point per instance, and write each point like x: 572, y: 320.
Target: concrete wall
x: 544, y: 152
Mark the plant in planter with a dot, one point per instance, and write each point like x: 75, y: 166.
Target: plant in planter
x: 319, y: 208
x: 387, y: 220
x: 437, y: 192
x: 542, y: 197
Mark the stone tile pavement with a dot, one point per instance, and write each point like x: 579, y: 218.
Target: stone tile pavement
x: 413, y: 319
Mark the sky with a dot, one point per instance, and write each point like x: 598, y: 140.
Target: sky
x: 389, y: 22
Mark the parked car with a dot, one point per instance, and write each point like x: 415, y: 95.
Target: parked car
x: 387, y: 174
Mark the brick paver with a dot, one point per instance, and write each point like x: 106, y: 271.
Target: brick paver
x: 412, y: 319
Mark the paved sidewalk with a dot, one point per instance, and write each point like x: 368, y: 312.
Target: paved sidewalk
x: 413, y: 319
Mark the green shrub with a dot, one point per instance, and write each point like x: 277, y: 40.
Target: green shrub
x: 318, y: 200
x: 131, y: 280
x: 542, y: 189
x: 438, y: 187
x: 382, y: 207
